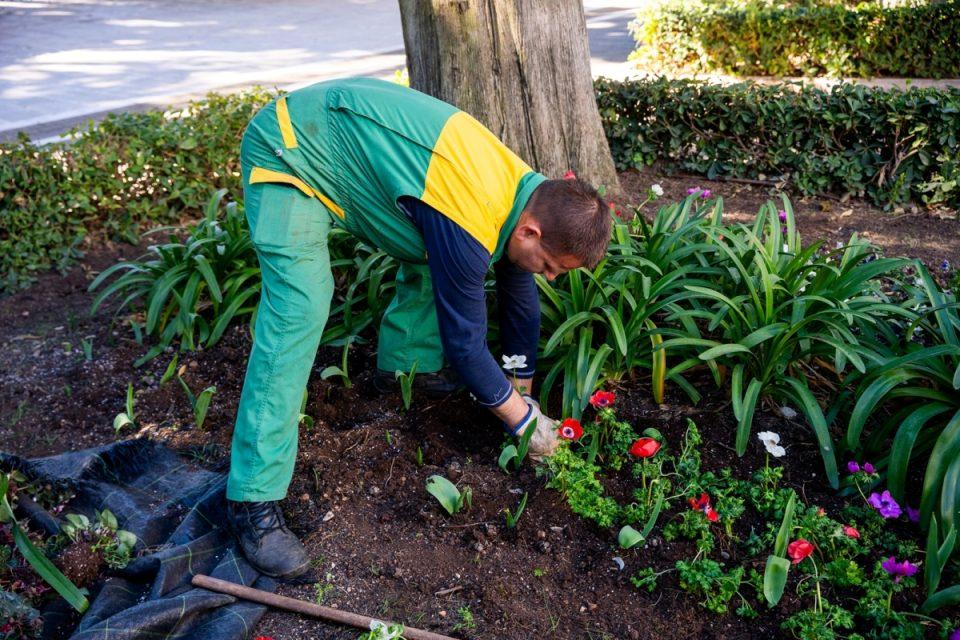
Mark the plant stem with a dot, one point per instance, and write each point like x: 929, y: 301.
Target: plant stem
x: 819, y: 604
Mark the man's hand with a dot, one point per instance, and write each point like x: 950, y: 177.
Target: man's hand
x: 544, y: 440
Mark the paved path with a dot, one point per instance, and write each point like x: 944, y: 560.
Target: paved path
x: 65, y: 61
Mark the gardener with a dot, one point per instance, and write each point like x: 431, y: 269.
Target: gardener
x: 430, y: 186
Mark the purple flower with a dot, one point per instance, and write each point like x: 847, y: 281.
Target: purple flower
x: 853, y: 467
x: 885, y: 504
x: 868, y: 468
x: 783, y: 215
x: 945, y: 266
x: 693, y: 190
x: 705, y: 194
x: 955, y: 635
x: 898, y: 569
x: 914, y: 515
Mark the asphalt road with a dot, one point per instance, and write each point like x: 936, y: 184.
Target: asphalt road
x: 63, y: 62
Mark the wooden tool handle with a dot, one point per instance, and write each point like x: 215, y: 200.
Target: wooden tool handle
x: 299, y: 606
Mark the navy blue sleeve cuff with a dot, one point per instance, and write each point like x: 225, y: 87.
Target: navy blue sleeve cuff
x: 458, y: 266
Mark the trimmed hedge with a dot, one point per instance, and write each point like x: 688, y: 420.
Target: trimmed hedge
x: 889, y: 146
x: 757, y: 38
x: 128, y: 171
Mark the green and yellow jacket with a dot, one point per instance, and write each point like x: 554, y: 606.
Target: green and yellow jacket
x: 360, y: 144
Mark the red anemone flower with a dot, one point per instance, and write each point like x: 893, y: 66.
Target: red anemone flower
x: 799, y: 549
x: 569, y: 175
x: 851, y: 532
x: 644, y: 448
x: 703, y: 504
x: 602, y: 399
x: 570, y: 429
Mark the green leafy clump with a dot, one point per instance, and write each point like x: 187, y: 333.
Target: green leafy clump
x: 763, y: 37
x: 577, y: 479
x: 847, y: 140
x: 129, y: 171
x: 707, y: 578
x: 206, y: 278
x: 452, y: 499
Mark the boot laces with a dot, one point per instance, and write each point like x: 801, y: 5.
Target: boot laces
x: 265, y: 516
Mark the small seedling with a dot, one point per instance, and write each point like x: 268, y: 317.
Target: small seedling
x: 137, y: 332
x: 18, y: 413
x: 418, y: 457
x: 389, y: 438
x: 512, y: 518
x: 447, y: 494
x: 515, y: 453
x: 467, y: 622
x: 87, y: 345
x: 406, y: 385
x: 200, y: 403
x: 341, y: 371
x: 322, y: 589
x: 304, y: 419
x: 171, y: 369
x: 538, y: 572
x: 630, y: 537
x: 127, y: 418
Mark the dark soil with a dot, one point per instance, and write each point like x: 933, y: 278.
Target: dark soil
x: 357, y: 498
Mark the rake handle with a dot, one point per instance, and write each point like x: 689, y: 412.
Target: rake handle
x: 299, y: 606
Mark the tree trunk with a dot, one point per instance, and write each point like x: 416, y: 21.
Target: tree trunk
x: 522, y: 68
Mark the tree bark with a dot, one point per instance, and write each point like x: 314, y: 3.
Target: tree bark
x: 522, y: 68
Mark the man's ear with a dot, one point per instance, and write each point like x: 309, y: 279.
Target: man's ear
x: 529, y: 228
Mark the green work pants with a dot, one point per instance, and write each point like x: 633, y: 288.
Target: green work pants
x: 289, y: 232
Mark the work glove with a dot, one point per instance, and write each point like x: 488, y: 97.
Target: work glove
x: 544, y: 440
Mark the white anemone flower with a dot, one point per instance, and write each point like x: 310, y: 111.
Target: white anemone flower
x: 657, y: 189
x: 771, y: 441
x: 514, y: 362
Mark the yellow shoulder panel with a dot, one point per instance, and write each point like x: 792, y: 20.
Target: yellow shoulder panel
x: 259, y: 174
x: 286, y: 127
x: 472, y: 178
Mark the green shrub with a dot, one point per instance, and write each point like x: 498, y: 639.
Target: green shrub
x: 763, y: 38
x: 194, y: 287
x: 889, y: 146
x: 131, y: 170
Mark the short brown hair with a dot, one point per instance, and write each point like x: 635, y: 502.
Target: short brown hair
x: 574, y: 219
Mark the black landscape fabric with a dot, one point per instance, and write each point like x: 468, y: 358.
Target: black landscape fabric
x: 178, y: 512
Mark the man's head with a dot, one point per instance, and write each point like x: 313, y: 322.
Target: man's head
x: 565, y: 225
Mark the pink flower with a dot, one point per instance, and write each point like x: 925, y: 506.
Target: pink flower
x: 570, y: 429
x: 645, y: 448
x: 868, y: 468
x: 851, y: 532
x: 783, y: 215
x: 693, y: 190
x: 705, y: 194
x: 853, y: 467
x: 799, y: 549
x: 569, y: 175
x: 898, y: 569
x: 602, y: 399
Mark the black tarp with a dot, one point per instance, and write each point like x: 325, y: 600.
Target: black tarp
x: 178, y: 512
